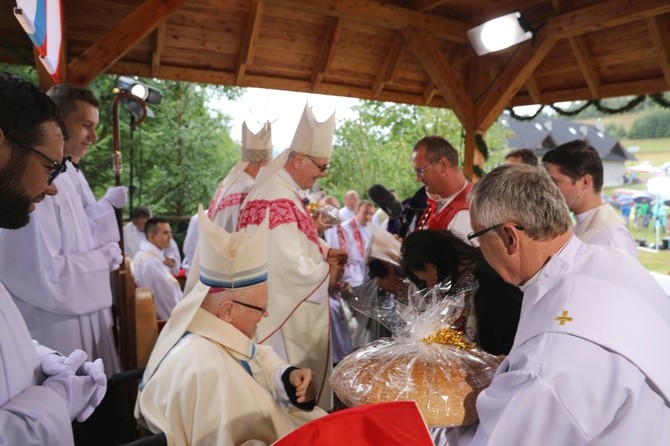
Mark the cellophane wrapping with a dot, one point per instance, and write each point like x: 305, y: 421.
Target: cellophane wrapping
x: 429, y: 359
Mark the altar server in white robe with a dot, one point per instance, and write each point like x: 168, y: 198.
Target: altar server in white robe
x: 150, y: 271
x: 41, y: 392
x: 133, y: 235
x: 589, y: 365
x: 207, y: 382
x: 65, y: 297
x: 81, y: 128
x: 303, y: 265
x: 224, y: 209
x: 577, y: 170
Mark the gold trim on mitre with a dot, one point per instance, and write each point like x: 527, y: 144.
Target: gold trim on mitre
x: 314, y: 138
x: 256, y: 147
x: 231, y: 261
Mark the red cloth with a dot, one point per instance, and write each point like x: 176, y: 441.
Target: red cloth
x: 396, y: 423
x: 430, y: 220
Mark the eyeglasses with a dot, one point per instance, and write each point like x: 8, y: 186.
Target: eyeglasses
x: 57, y: 167
x: 322, y: 167
x: 253, y: 307
x: 420, y: 172
x: 484, y: 231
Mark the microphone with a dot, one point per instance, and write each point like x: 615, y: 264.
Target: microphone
x: 385, y: 200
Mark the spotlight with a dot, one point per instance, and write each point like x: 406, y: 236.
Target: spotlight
x: 148, y: 94
x: 500, y: 33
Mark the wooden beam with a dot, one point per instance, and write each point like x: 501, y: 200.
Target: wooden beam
x: 246, y: 55
x: 390, y: 66
x: 427, y: 5
x: 119, y: 40
x: 511, y: 78
x: 586, y: 64
x: 441, y: 73
x: 379, y: 14
x: 533, y: 89
x: 44, y: 79
x: 159, y: 42
x: 327, y: 52
x: 429, y: 93
x: 601, y: 15
x: 178, y: 73
x: 658, y: 29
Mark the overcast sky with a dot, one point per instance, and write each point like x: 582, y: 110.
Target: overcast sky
x: 283, y: 109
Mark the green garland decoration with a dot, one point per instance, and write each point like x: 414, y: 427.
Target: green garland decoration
x: 481, y: 145
x: 660, y: 100
x: 567, y: 112
x: 478, y: 171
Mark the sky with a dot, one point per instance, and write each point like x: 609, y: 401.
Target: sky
x: 283, y: 109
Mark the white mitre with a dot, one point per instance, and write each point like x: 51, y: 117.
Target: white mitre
x: 230, y: 261
x: 314, y: 138
x: 256, y: 147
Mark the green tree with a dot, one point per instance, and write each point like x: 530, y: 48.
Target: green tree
x: 376, y: 146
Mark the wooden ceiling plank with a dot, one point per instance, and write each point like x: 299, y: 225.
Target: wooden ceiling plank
x: 660, y: 36
x: 511, y: 78
x: 586, y: 64
x: 327, y: 51
x: 119, y: 40
x: 603, y: 15
x: 159, y: 42
x: 246, y: 54
x: 441, y: 73
x: 390, y: 66
x: 382, y: 15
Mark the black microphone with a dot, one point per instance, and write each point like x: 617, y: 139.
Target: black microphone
x: 385, y: 200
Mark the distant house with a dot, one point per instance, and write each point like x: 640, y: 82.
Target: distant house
x: 542, y: 137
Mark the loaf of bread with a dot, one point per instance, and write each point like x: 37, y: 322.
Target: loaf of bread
x: 443, y: 380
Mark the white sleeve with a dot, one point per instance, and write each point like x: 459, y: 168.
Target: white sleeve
x: 156, y: 276
x: 172, y: 252
x: 461, y: 227
x: 616, y: 237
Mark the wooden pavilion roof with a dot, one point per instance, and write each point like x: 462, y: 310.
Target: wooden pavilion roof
x: 407, y: 51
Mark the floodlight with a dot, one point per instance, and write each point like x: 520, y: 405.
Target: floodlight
x: 148, y: 94
x: 500, y: 33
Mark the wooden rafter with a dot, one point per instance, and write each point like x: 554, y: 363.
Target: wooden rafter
x: 586, y: 65
x: 113, y: 45
x: 157, y: 50
x: 427, y: 5
x: 246, y: 54
x: 512, y: 77
x: 429, y: 93
x: 378, y: 14
x: 390, y: 66
x: 660, y: 36
x: 327, y: 52
x: 603, y: 15
x: 441, y: 73
x: 533, y: 89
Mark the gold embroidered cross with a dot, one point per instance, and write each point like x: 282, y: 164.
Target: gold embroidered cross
x: 563, y: 318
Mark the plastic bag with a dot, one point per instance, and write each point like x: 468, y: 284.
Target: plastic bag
x: 429, y: 359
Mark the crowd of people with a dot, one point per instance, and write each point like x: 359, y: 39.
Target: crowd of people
x: 253, y: 335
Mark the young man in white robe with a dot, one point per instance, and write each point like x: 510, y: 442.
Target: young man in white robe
x: 207, y: 382
x: 66, y: 298
x: 150, y: 270
x: 133, y: 236
x: 303, y: 265
x: 577, y: 170
x: 41, y: 392
x: 586, y: 367
x: 81, y: 129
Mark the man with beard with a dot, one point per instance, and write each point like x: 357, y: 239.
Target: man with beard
x: 66, y: 298
x: 40, y: 390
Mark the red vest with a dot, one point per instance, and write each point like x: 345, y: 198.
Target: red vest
x: 430, y: 220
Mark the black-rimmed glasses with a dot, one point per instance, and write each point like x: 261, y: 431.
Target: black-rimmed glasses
x: 484, y: 231
x: 421, y: 171
x: 322, y: 167
x: 56, y: 169
x: 253, y: 307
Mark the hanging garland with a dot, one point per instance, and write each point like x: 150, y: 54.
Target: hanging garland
x: 484, y: 150
x: 657, y: 98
